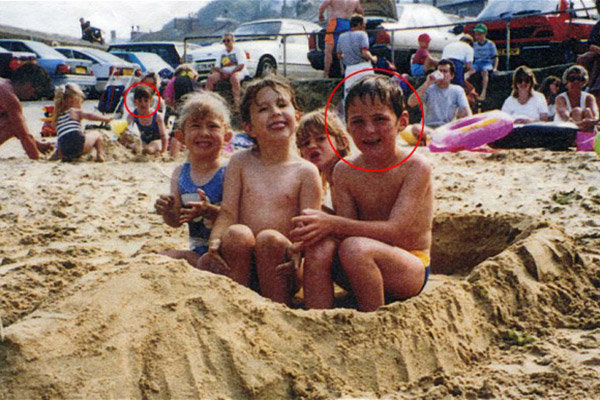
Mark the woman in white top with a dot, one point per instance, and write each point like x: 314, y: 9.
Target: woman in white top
x: 525, y: 104
x: 575, y: 105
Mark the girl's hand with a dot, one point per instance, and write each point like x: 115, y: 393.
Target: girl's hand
x: 312, y: 226
x: 164, y: 204
x: 194, y: 209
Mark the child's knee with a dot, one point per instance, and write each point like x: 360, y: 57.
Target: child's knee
x: 240, y: 236
x: 352, y: 249
x: 271, y: 240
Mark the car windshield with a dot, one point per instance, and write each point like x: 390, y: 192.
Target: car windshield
x: 503, y: 8
x: 268, y: 29
x: 44, y: 51
x: 151, y: 59
x: 102, y: 55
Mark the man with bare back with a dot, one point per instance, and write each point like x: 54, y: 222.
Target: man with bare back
x: 25, y: 84
x: 340, y: 12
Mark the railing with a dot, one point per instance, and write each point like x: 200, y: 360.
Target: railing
x: 283, y: 37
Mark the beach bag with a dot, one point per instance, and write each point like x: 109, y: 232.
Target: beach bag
x: 110, y: 98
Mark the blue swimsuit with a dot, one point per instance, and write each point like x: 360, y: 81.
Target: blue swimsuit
x: 148, y: 133
x: 200, y: 228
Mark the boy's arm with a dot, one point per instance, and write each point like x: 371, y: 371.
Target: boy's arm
x: 310, y: 191
x: 232, y: 189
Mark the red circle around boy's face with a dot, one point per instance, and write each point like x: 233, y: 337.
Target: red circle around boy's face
x: 142, y: 116
x: 420, y: 135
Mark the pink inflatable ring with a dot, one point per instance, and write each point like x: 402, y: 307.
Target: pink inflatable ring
x: 471, y: 132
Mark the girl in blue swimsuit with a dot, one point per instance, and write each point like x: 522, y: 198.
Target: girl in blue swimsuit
x: 151, y: 127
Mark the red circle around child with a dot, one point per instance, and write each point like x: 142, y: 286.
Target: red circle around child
x: 422, y: 121
x: 153, y: 88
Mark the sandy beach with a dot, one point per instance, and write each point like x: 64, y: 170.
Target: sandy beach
x: 90, y: 310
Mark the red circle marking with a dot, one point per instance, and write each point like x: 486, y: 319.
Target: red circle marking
x: 422, y: 121
x: 141, y: 116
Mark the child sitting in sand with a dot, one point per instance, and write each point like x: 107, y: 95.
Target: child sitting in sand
x: 197, y: 185
x: 384, y: 217
x: 314, y: 146
x: 72, y: 142
x: 152, y: 128
x: 264, y: 188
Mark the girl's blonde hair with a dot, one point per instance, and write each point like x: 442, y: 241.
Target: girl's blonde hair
x: 62, y: 95
x: 203, y: 104
x: 315, y: 122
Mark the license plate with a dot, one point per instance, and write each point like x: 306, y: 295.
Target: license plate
x: 205, y: 66
x: 514, y: 51
x: 127, y: 71
x: 80, y: 70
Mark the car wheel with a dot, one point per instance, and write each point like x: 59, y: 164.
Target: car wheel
x: 267, y: 65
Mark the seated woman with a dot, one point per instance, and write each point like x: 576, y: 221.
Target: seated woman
x: 575, y: 105
x: 525, y: 104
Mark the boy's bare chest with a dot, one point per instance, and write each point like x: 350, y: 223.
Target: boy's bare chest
x: 376, y: 195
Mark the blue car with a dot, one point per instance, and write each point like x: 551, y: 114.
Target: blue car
x: 61, y: 69
x: 147, y: 62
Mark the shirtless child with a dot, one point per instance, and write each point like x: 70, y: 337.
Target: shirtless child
x: 264, y: 189
x: 25, y: 84
x: 340, y: 12
x: 383, y: 219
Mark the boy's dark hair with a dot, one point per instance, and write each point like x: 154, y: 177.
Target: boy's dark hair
x: 448, y: 63
x: 142, y: 92
x: 271, y: 81
x: 377, y: 86
x: 356, y: 20
x: 33, y: 74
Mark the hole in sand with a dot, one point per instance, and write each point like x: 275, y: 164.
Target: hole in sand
x: 461, y: 242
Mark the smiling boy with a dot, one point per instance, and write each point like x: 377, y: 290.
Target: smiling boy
x: 383, y: 219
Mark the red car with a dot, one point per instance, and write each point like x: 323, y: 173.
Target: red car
x: 556, y: 37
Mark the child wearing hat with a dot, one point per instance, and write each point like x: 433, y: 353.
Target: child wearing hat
x: 422, y: 62
x: 485, y: 57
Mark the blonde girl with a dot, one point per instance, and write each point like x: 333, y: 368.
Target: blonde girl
x: 72, y: 141
x: 197, y: 185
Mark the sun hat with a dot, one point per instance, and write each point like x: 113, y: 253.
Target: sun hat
x: 423, y: 37
x: 480, y: 28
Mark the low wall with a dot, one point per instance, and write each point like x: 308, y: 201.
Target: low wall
x: 313, y: 93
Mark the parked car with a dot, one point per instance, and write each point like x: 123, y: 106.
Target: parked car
x: 171, y: 52
x: 538, y: 40
x: 104, y: 65
x: 265, y: 48
x: 11, y: 60
x: 61, y: 69
x: 147, y: 62
x: 385, y: 16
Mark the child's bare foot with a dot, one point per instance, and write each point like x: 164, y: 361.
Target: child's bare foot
x: 100, y: 158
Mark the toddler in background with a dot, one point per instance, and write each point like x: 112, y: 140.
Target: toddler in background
x: 314, y: 147
x: 422, y: 62
x: 72, y: 142
x: 152, y: 128
x: 197, y: 185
